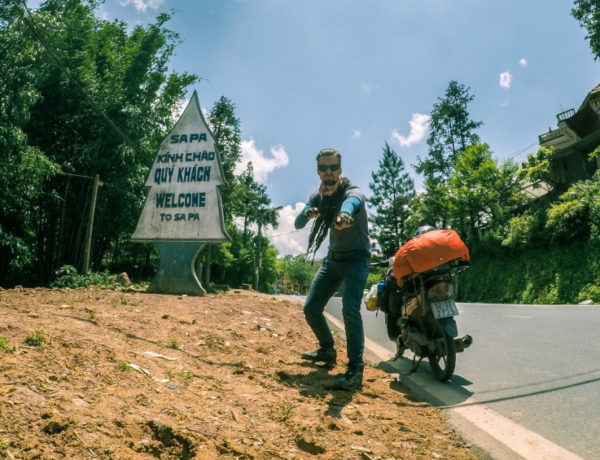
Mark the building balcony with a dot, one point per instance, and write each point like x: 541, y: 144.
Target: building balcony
x: 550, y: 136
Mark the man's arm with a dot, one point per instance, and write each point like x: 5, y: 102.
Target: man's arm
x: 348, y: 208
x: 350, y: 205
x: 301, y: 219
x: 305, y: 215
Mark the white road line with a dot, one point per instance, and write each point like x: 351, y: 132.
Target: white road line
x: 524, y: 442
x: 517, y: 438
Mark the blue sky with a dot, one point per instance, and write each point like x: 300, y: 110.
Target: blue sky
x: 353, y: 74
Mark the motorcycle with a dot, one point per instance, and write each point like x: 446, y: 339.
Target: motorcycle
x: 419, y: 315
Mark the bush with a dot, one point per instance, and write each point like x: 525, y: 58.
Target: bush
x: 36, y: 339
x: 374, y: 278
x: 556, y: 274
x: 6, y: 345
x: 67, y: 277
x: 590, y: 292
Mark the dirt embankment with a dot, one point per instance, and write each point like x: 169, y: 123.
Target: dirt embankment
x: 98, y: 373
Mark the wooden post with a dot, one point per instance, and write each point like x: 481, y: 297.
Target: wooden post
x: 87, y: 243
x: 206, y: 266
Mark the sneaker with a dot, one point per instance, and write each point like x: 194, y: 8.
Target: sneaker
x: 321, y: 355
x: 351, y: 380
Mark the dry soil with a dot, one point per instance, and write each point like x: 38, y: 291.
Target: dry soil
x: 121, y: 374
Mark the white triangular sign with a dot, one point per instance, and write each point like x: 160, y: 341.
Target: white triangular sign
x: 184, y: 201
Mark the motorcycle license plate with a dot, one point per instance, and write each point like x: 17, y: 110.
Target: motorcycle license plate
x: 444, y: 309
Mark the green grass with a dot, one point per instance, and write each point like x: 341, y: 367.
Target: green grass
x: 6, y: 345
x: 36, y: 339
x: 173, y: 344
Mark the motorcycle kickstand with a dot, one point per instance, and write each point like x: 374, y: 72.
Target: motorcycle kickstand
x: 415, y: 364
x: 399, y: 350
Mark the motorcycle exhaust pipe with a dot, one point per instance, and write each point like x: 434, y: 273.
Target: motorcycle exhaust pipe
x: 463, y: 342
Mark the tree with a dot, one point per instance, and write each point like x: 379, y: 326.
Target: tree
x: 225, y: 127
x: 93, y: 99
x: 587, y: 12
x: 300, y: 271
x: 576, y: 214
x: 451, y: 131
x: 482, y: 195
x: 537, y: 167
x: 248, y: 200
x: 392, y: 193
x: 265, y: 216
x: 250, y: 203
x: 24, y: 168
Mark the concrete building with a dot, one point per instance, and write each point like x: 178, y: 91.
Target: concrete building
x: 576, y: 136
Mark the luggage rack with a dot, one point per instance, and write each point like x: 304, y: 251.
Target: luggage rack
x: 415, y: 283
x: 453, y: 267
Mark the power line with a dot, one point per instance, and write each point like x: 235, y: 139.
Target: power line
x: 287, y: 233
x: 519, y: 152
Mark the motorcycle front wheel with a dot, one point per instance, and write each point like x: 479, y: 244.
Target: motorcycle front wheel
x: 443, y: 359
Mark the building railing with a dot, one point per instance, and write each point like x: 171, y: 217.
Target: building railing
x: 562, y: 116
x: 550, y: 136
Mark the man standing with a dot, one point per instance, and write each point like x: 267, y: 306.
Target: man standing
x: 338, y: 207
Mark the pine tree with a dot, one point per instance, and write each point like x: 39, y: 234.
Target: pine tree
x: 392, y: 193
x: 451, y: 131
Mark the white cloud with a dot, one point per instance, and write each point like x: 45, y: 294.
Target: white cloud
x: 263, y: 165
x: 143, y: 5
x: 505, y: 79
x: 355, y: 134
x: 418, y: 127
x: 288, y: 240
x: 366, y: 88
x: 285, y: 238
x: 523, y: 62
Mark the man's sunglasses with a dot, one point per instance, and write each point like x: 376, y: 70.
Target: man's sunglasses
x: 324, y: 168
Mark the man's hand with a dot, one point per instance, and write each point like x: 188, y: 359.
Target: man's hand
x: 312, y: 213
x: 343, y: 221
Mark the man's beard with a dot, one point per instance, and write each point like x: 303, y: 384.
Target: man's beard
x: 329, y: 182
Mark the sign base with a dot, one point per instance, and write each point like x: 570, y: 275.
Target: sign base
x: 176, y: 274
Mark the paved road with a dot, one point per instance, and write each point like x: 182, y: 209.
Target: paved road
x: 538, y: 366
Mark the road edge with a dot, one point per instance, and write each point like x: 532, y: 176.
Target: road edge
x: 492, y: 436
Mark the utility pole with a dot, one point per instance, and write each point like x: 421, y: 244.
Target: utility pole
x: 258, y: 254
x: 87, y: 243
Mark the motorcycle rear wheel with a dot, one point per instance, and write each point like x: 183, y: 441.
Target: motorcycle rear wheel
x: 443, y: 360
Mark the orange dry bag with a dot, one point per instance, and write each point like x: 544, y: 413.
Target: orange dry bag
x: 428, y: 251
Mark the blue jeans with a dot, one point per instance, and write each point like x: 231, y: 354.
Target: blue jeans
x: 353, y: 273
